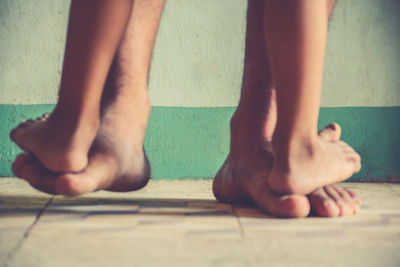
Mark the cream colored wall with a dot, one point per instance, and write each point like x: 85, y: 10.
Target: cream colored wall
x: 198, y: 57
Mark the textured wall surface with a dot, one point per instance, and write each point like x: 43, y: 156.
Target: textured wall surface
x: 196, y: 76
x: 198, y: 58
x: 32, y: 40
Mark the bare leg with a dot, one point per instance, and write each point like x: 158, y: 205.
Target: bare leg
x: 244, y: 175
x: 117, y: 161
x: 296, y: 34
x: 61, y: 142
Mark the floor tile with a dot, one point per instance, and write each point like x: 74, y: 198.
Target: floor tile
x: 179, y: 223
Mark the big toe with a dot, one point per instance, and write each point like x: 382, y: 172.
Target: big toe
x: 291, y: 206
x: 20, y: 162
x: 98, y: 174
x: 331, y: 132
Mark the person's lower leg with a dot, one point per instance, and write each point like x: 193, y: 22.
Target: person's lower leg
x: 244, y: 174
x: 125, y: 102
x: 296, y: 35
x: 255, y: 117
x: 61, y: 142
x: 94, y: 33
x: 117, y: 161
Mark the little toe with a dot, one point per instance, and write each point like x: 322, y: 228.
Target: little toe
x: 345, y: 207
x: 355, y: 200
x: 347, y: 199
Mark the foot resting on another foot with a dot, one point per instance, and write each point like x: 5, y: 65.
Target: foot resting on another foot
x: 246, y: 178
x: 60, y: 145
x: 117, y: 161
x: 302, y: 167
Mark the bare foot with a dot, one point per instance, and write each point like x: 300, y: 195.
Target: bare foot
x: 334, y: 201
x: 58, y: 143
x: 117, y: 161
x: 303, y: 167
x: 245, y: 178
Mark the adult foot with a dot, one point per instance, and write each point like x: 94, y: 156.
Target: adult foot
x: 117, y: 161
x: 60, y: 143
x: 302, y: 167
x: 244, y: 178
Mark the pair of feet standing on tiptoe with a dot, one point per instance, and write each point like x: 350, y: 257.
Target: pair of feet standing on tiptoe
x: 67, y: 158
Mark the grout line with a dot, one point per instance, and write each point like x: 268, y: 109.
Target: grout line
x: 241, y: 230
x: 392, y: 189
x: 18, y: 246
x: 248, y: 261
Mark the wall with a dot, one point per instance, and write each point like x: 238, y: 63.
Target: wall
x: 196, y: 74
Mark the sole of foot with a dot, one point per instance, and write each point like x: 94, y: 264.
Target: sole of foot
x: 117, y: 162
x: 58, y: 147
x: 307, y: 167
x: 245, y: 180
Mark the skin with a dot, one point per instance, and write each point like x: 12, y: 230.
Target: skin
x: 243, y: 179
x: 61, y: 142
x: 117, y: 161
x: 295, y: 34
x: 246, y: 174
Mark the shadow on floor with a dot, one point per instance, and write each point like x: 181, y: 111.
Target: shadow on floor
x: 19, y: 205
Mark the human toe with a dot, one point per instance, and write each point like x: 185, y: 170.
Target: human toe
x: 322, y: 204
x: 331, y: 132
x: 21, y: 161
x: 290, y: 206
x: 74, y: 184
x: 342, y: 201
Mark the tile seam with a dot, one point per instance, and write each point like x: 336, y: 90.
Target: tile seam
x: 17, y: 247
x: 241, y: 230
x: 387, y: 185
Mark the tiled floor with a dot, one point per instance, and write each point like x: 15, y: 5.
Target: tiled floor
x: 178, y: 223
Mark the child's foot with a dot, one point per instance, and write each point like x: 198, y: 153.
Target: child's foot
x: 60, y: 144
x: 334, y: 201
x: 246, y: 178
x: 306, y: 166
x: 117, y: 161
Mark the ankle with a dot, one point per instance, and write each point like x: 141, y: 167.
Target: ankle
x: 70, y: 120
x: 289, y: 150
x: 245, y: 137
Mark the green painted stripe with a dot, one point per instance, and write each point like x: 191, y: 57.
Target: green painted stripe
x: 193, y: 142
